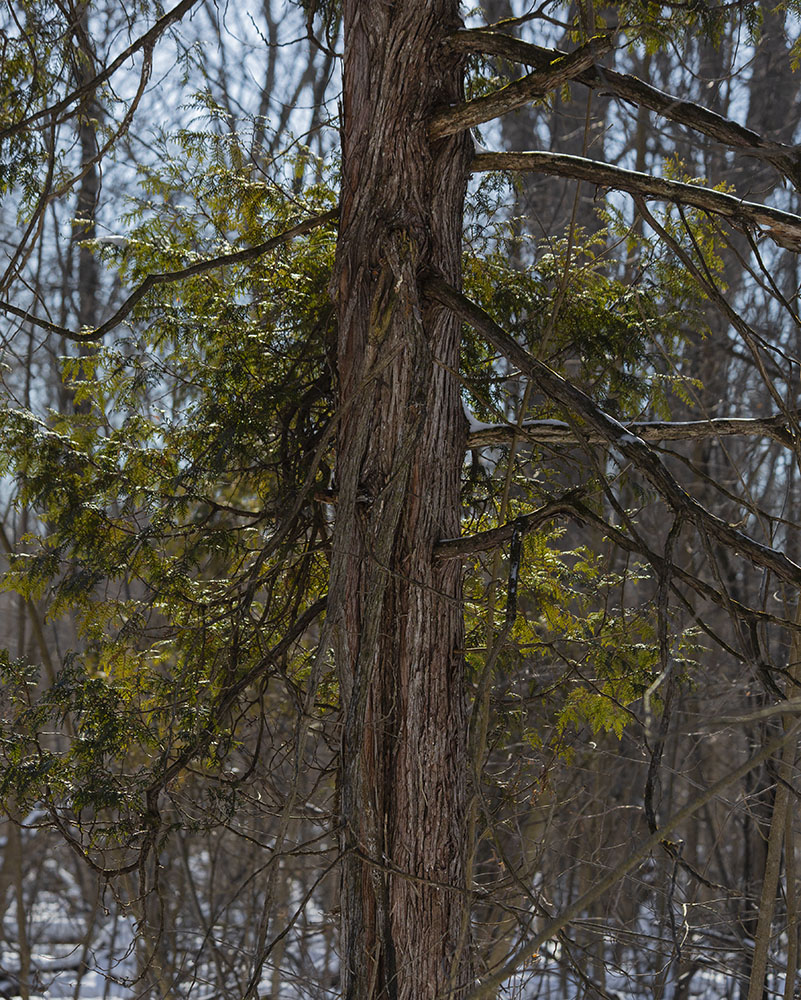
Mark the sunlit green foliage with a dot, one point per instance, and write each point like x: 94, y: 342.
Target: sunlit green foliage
x: 586, y: 629
x: 178, y: 518
x: 183, y: 500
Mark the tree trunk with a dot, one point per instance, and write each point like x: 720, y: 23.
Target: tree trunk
x: 757, y: 986
x: 396, y: 613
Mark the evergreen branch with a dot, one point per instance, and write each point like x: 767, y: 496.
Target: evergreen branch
x: 35, y: 618
x: 146, y: 41
x: 166, y: 277
x: 570, y: 505
x: 556, y: 73
x: 229, y: 694
x: 643, y: 458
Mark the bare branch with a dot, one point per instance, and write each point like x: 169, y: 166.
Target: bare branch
x: 489, y: 986
x: 633, y: 448
x: 786, y: 159
x: 559, y: 432
x: 555, y: 74
x: 484, y: 541
x: 638, y: 546
x: 783, y: 228
x: 147, y: 41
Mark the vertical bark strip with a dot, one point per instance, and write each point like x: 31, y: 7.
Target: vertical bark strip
x: 89, y: 190
x: 777, y: 839
x: 84, y: 226
x: 397, y: 614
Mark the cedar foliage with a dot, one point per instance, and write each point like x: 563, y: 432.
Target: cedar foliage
x: 183, y: 499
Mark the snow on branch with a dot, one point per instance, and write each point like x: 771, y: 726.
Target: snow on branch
x: 786, y: 159
x: 644, y: 459
x: 559, y: 432
x: 557, y: 71
x: 783, y: 228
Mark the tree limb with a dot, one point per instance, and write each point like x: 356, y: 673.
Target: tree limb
x: 554, y: 74
x: 489, y: 986
x: 483, y: 541
x: 571, y: 506
x: 147, y: 41
x: 559, y: 432
x: 165, y: 277
x: 786, y: 159
x: 784, y: 228
x: 633, y: 448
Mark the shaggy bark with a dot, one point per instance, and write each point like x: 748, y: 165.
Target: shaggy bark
x: 396, y: 610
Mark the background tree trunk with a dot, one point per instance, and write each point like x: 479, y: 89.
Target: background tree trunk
x: 397, y: 614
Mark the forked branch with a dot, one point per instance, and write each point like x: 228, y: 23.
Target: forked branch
x: 489, y: 986
x: 554, y: 74
x: 146, y: 41
x: 786, y: 159
x: 586, y: 410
